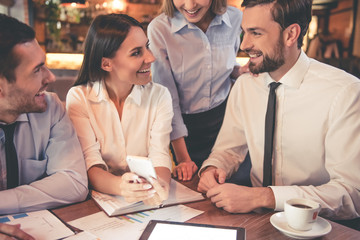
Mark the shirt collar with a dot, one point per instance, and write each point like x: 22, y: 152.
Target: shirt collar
x: 21, y: 118
x: 97, y: 92
x: 295, y: 76
x: 178, y: 22
x: 136, y: 93
x: 222, y: 18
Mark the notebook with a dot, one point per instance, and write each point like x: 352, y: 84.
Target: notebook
x: 114, y: 205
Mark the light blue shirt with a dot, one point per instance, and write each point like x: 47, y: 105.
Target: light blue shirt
x: 195, y: 66
x: 51, y: 165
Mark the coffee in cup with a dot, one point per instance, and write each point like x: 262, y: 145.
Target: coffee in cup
x: 301, y: 213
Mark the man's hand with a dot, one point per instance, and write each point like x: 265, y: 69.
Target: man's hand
x: 239, y: 70
x: 185, y: 170
x: 9, y: 232
x: 240, y: 199
x: 210, y: 178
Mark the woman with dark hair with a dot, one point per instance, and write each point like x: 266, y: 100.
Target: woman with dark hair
x: 117, y: 111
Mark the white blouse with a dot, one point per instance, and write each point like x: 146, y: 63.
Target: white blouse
x: 144, y: 129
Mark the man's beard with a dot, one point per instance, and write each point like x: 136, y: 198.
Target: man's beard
x: 24, y: 102
x: 270, y: 64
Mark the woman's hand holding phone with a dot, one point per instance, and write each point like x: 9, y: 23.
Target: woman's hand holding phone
x: 135, y: 189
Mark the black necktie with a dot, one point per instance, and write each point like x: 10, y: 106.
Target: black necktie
x: 12, y: 170
x: 269, y: 134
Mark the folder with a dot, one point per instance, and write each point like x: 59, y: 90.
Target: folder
x: 114, y: 205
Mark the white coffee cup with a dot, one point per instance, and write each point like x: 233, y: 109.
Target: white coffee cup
x: 301, y: 213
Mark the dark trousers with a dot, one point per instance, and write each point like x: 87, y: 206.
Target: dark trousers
x: 203, y: 129
x: 242, y: 175
x: 353, y: 223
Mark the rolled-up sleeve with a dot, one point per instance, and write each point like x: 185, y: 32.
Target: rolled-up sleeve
x: 162, y: 73
x: 79, y: 113
x: 160, y: 132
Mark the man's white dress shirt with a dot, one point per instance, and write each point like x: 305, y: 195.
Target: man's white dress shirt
x: 316, y: 141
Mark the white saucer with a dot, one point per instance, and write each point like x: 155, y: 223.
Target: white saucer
x: 320, y: 227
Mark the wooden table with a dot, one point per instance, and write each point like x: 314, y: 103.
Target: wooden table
x: 257, y: 225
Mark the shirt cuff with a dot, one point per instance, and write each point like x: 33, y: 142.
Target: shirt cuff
x: 203, y: 168
x: 9, y: 202
x: 91, y: 163
x: 213, y: 162
x: 282, y: 194
x: 178, y: 131
x: 163, y: 163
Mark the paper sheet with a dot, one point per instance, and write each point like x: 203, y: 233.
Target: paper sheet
x: 42, y: 225
x: 83, y: 236
x: 131, y: 226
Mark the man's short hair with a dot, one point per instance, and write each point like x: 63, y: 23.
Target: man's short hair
x: 12, y: 32
x: 287, y: 12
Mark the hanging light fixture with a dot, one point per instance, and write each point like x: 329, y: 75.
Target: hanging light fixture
x: 73, y: 3
x: 118, y: 5
x: 324, y: 4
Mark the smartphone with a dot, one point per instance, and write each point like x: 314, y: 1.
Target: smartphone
x: 141, y: 166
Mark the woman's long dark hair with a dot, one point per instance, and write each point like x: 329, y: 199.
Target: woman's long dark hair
x: 105, y: 36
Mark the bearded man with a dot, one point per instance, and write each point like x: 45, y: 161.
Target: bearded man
x: 298, y: 118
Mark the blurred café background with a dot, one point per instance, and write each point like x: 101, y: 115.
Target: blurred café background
x: 61, y: 27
